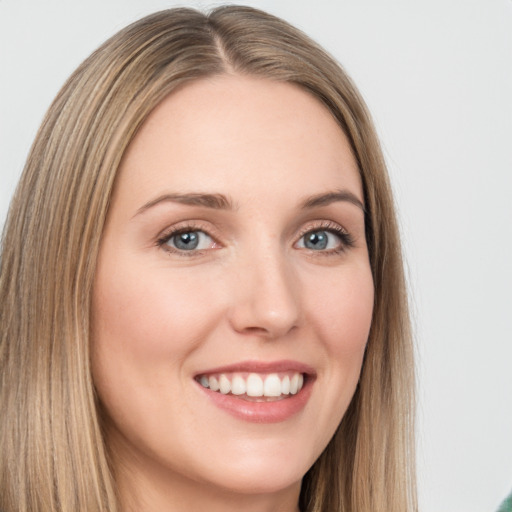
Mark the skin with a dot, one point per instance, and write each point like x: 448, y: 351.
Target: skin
x: 253, y: 291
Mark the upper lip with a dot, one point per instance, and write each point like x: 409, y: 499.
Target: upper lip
x: 262, y: 367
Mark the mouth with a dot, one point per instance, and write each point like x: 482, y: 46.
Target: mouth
x: 257, y: 391
x: 254, y: 387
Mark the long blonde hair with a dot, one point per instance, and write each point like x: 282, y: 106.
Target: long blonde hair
x: 53, y: 452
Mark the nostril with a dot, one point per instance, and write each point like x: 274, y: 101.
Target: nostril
x: 255, y: 330
x: 267, y: 333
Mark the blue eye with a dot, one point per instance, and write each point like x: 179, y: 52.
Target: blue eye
x: 318, y: 240
x: 193, y: 240
x: 321, y: 240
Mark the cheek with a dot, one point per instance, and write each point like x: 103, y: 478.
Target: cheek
x: 146, y: 322
x: 343, y: 313
x: 148, y: 314
x: 342, y: 316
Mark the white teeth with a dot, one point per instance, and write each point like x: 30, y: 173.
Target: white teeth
x: 224, y: 385
x: 254, y: 385
x: 294, y: 384
x: 214, y: 384
x: 285, y: 385
x: 272, y: 386
x: 238, y: 386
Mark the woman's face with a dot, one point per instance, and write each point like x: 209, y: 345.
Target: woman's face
x: 234, y: 257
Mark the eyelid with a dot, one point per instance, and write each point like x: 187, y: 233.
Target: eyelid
x: 322, y: 224
x: 346, y: 239
x: 184, y: 227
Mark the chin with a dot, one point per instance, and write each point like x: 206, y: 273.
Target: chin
x: 265, y: 479
x: 263, y: 471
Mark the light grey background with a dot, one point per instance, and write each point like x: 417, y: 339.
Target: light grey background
x: 437, y: 76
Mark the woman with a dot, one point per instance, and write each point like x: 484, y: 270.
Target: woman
x: 202, y: 288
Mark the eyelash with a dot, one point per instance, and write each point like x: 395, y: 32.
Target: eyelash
x: 178, y: 230
x: 346, y: 239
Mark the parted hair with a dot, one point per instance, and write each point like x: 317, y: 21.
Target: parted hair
x: 53, y: 452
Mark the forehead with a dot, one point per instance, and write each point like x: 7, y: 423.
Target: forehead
x: 234, y: 132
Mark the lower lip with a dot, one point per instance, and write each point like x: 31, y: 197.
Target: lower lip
x: 262, y: 412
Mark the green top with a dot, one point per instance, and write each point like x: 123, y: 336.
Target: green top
x: 506, y: 506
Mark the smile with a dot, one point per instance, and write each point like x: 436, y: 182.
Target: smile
x: 254, y: 386
x: 257, y: 391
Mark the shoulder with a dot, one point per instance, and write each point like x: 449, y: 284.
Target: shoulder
x: 506, y: 506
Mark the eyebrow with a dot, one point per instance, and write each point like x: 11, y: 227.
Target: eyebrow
x: 214, y: 201
x: 222, y: 202
x: 333, y: 197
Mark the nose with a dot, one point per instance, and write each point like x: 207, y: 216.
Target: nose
x: 266, y: 299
